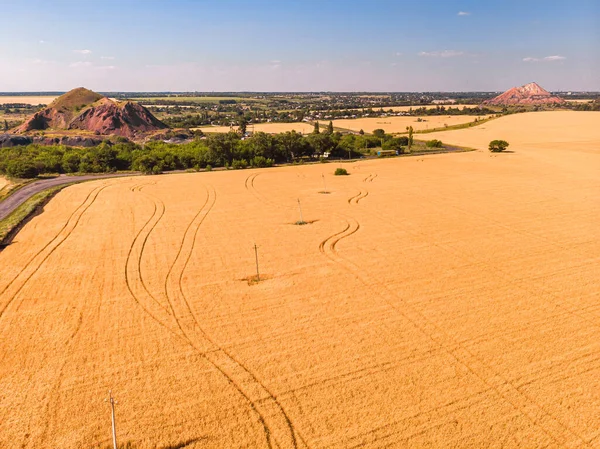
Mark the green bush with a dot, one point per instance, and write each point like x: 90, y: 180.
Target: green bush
x: 497, y: 146
x: 239, y: 164
x: 433, y: 143
x: 21, y: 169
x: 208, y: 167
x: 340, y: 172
x: 261, y: 161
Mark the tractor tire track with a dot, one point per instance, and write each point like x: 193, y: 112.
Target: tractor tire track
x: 278, y: 428
x: 36, y: 262
x: 520, y: 401
x: 249, y: 184
x: 359, y: 196
x: 133, y: 274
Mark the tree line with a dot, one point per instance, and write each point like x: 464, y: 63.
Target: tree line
x: 216, y: 150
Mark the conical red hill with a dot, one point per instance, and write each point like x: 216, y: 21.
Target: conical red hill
x: 529, y: 94
x: 82, y: 109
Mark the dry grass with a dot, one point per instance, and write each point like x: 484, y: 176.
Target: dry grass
x: 440, y: 301
x: 4, y: 183
x: 34, y: 100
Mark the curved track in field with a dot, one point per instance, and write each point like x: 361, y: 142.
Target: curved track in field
x: 11, y: 290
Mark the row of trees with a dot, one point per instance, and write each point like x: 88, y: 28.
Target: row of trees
x: 217, y: 150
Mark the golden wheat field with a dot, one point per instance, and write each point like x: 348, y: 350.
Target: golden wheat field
x: 273, y: 128
x: 26, y: 99
x: 442, y: 301
x: 388, y: 124
x: 430, y: 106
x: 399, y: 124
x: 560, y: 130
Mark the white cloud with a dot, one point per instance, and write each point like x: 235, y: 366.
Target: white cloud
x: 79, y: 64
x: 545, y: 59
x: 554, y: 58
x: 463, y: 13
x: 108, y: 58
x: 105, y: 67
x: 83, y: 52
x: 442, y: 54
x: 42, y: 41
x: 398, y: 53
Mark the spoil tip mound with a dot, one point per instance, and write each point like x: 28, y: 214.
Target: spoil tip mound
x: 529, y: 94
x: 85, y: 110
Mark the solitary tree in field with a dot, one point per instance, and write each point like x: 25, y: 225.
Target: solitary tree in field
x: 316, y: 130
x: 5, y: 126
x: 361, y: 132
x: 496, y: 146
x: 410, y: 136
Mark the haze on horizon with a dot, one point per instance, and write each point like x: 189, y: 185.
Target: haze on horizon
x: 300, y: 45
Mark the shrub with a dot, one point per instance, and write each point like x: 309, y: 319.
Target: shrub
x: 21, y: 169
x: 340, y: 172
x: 208, y: 167
x: 497, y: 146
x: 433, y: 143
x: 261, y: 161
x: 239, y: 164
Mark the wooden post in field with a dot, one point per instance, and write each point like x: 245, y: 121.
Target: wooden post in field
x: 256, y: 256
x: 300, y: 209
x: 324, y: 183
x: 112, y: 413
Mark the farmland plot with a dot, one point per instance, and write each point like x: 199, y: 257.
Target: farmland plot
x: 440, y: 301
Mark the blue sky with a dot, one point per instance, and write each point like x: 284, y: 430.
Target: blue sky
x: 299, y: 45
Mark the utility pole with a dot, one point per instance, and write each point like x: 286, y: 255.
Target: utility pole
x: 300, y: 209
x: 256, y: 256
x: 112, y: 413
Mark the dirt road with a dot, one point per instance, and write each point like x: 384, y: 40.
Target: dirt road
x: 20, y: 196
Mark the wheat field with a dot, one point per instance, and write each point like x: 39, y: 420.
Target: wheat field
x: 272, y: 128
x: 26, y: 99
x: 368, y: 124
x: 442, y: 301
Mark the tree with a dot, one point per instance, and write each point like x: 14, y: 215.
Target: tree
x: 361, y: 132
x: 330, y: 128
x: 5, y: 126
x: 243, y: 125
x: 379, y: 133
x: 497, y: 146
x: 316, y: 130
x: 410, y: 137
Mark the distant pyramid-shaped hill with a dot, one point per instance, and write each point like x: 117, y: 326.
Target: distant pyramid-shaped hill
x: 83, y: 109
x: 529, y: 94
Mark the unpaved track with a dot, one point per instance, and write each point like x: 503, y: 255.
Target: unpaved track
x: 455, y: 305
x: 8, y: 205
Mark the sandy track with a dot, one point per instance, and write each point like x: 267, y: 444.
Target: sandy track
x: 442, y: 301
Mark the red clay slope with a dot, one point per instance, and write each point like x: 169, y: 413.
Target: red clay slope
x: 122, y: 119
x: 529, y: 94
x: 82, y: 109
